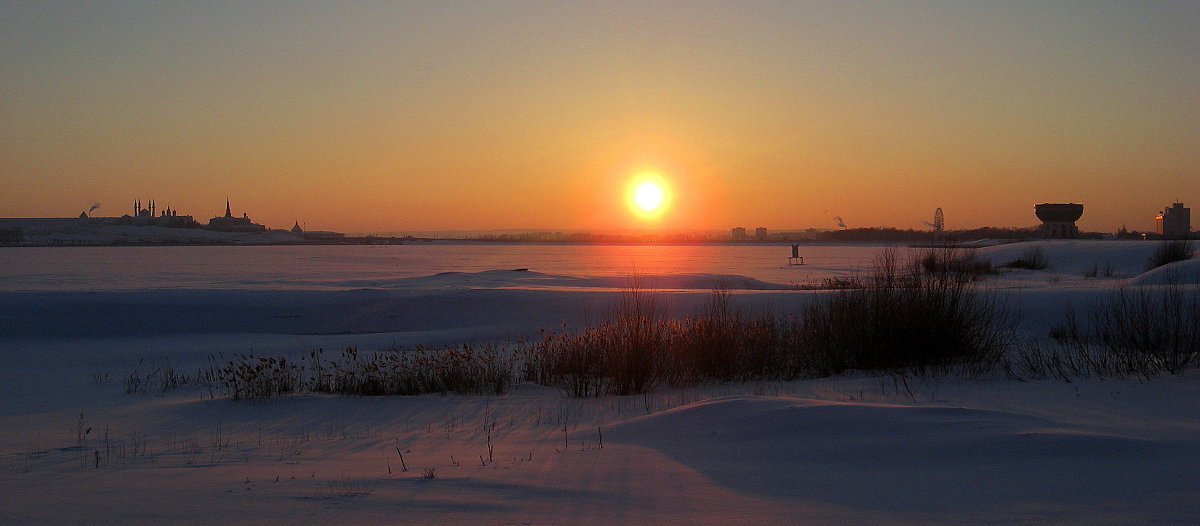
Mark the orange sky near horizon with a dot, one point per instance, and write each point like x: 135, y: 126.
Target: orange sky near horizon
x: 414, y: 116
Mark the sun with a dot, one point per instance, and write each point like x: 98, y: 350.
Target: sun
x: 648, y: 195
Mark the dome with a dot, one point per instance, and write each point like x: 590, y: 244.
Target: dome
x: 1058, y: 212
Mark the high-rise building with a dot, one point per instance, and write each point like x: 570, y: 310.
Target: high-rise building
x: 738, y: 234
x: 760, y: 233
x: 1174, y: 222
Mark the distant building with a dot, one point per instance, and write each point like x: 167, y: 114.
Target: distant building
x: 228, y: 223
x: 738, y: 234
x: 1058, y: 219
x: 760, y: 233
x: 315, y: 235
x: 1174, y: 222
x: 151, y: 216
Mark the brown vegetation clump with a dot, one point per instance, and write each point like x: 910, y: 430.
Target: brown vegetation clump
x: 1134, y: 331
x: 1170, y: 252
x: 926, y: 314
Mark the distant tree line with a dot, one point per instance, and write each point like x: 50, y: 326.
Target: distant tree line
x: 895, y: 235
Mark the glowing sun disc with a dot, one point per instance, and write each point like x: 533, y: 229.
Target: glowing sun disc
x: 648, y: 196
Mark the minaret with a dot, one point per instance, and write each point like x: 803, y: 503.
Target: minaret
x: 227, y: 212
x: 151, y: 208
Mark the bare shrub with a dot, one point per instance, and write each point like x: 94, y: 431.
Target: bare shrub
x: 1170, y: 252
x: 635, y: 341
x: 841, y: 283
x: 1034, y: 258
x: 248, y: 376
x: 641, y: 348
x: 621, y: 356
x: 571, y: 361
x: 1149, y: 329
x: 952, y: 260
x: 420, y: 370
x: 1134, y: 331
x: 1040, y: 360
x: 899, y: 317
x: 165, y: 377
x: 567, y: 360
x: 925, y: 315
x: 906, y: 318
x: 724, y: 344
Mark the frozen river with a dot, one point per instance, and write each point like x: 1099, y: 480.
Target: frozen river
x: 351, y: 267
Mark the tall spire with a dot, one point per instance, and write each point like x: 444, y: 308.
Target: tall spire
x: 227, y: 212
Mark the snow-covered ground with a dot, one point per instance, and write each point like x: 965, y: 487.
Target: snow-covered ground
x: 74, y: 448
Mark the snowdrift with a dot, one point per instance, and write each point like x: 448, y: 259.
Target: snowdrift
x: 1125, y: 259
x: 887, y: 457
x: 1177, y: 273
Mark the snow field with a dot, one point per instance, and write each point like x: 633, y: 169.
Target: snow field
x: 857, y: 449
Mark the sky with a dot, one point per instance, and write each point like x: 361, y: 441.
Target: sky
x: 418, y: 116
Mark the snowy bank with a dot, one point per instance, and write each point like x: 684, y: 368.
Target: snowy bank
x: 853, y: 449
